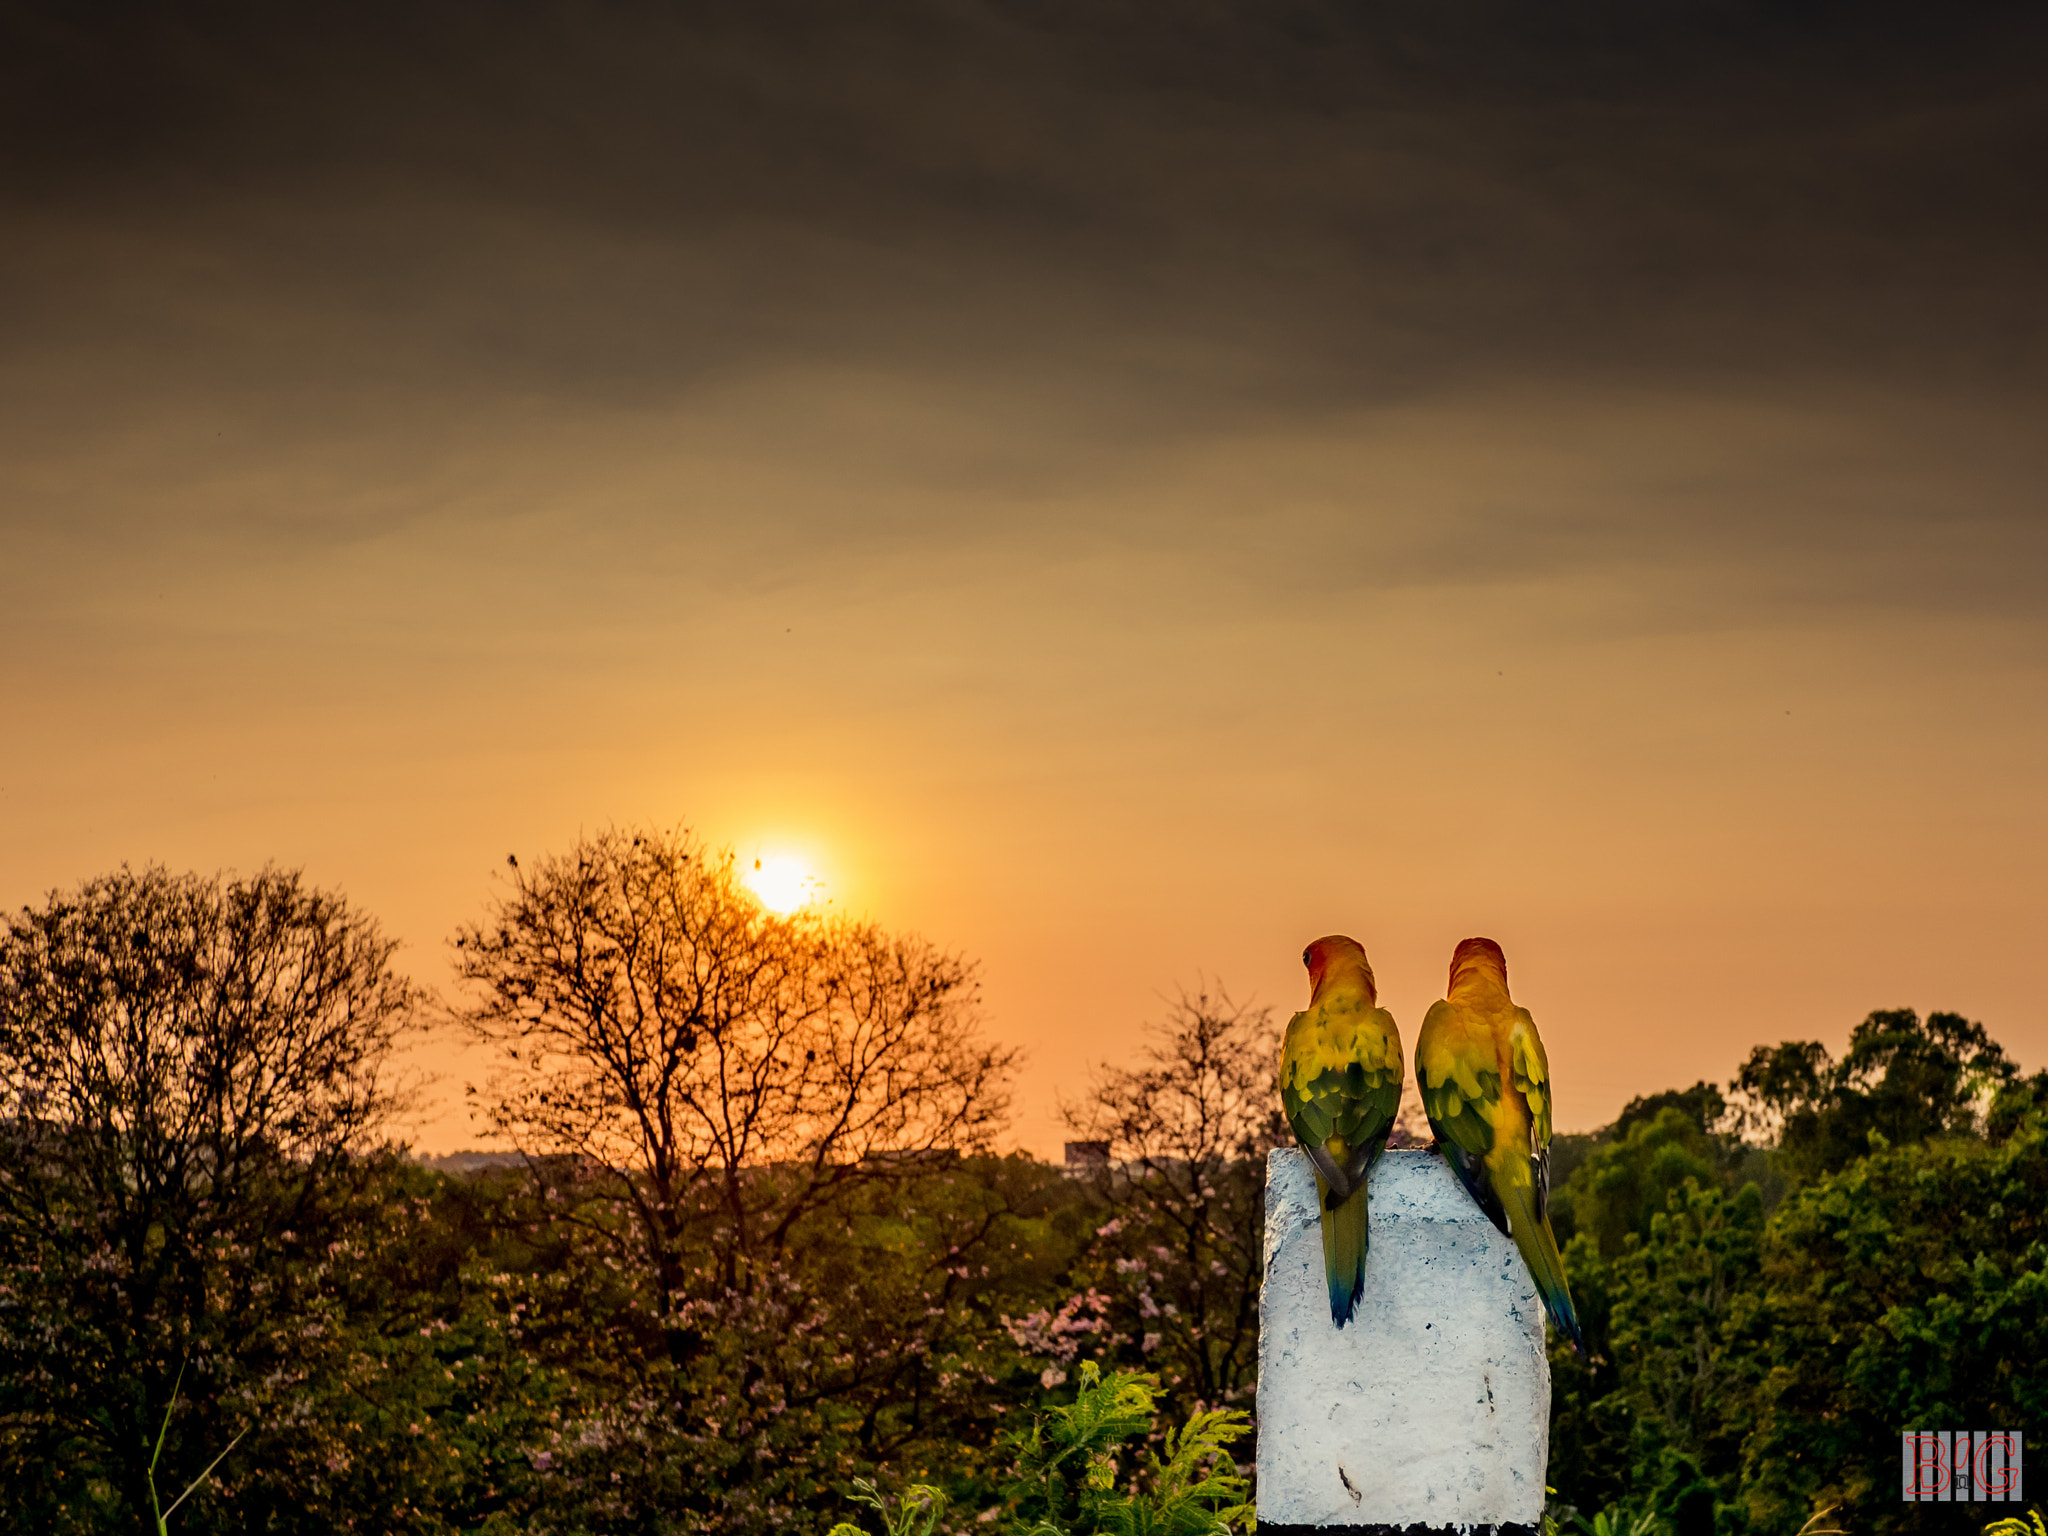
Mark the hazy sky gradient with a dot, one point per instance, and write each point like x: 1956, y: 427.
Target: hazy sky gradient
x: 1127, y: 489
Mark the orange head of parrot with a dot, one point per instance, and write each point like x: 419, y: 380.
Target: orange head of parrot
x: 1477, y: 959
x: 1337, y: 957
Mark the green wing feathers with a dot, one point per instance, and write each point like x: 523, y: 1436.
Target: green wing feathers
x: 1345, y: 1104
x: 1461, y: 1111
x: 1532, y: 1074
x: 1464, y: 1134
x: 1460, y: 1083
x: 1340, y: 1085
x: 1461, y: 1097
x: 1340, y: 1079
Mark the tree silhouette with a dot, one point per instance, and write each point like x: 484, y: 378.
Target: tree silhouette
x: 187, y: 1066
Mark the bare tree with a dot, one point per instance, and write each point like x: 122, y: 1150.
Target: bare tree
x: 724, y: 1069
x: 1188, y: 1130
x: 186, y: 1062
x: 715, y: 1100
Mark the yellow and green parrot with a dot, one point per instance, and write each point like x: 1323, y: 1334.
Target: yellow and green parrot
x: 1340, y: 1083
x: 1486, y: 1088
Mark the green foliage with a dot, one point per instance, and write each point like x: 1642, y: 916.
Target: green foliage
x: 1080, y: 1468
x: 1620, y: 1187
x: 1747, y: 1355
x: 1682, y: 1334
x: 915, y: 1514
x: 1903, y: 1079
x: 2013, y: 1104
x: 1621, y: 1522
x: 877, y: 1342
x: 1703, y: 1104
x: 1084, y: 1469
x: 1911, y: 1289
x: 434, y: 1390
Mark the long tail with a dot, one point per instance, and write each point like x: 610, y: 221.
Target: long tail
x: 1538, y: 1247
x: 1345, y: 1237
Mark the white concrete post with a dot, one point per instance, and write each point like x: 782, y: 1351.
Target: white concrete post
x: 1431, y: 1407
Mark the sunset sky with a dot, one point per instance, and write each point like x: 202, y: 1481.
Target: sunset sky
x: 1121, y: 490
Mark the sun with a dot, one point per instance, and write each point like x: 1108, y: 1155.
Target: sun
x: 782, y: 884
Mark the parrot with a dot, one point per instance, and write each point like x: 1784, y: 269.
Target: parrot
x: 1486, y: 1088
x: 1340, y: 1084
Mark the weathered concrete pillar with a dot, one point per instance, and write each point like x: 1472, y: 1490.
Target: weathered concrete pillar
x: 1431, y: 1407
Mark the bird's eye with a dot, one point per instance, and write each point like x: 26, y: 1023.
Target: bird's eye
x: 1304, y: 957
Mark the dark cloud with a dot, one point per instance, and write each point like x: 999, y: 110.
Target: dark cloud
x: 1022, y: 254
x: 1321, y: 200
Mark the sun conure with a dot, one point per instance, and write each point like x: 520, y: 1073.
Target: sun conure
x: 1340, y: 1083
x: 1486, y: 1088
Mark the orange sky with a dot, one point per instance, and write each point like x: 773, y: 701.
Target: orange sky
x: 1122, y: 515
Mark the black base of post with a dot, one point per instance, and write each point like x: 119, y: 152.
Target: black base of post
x: 1395, y: 1530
